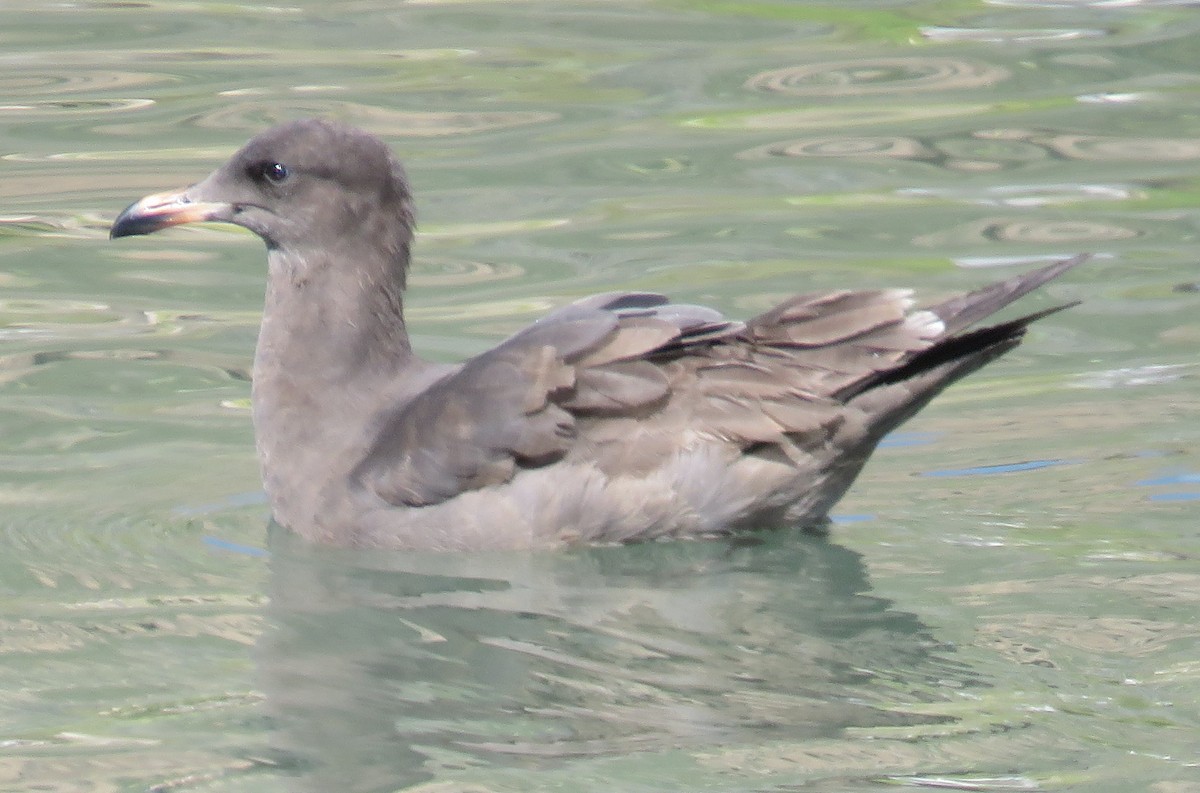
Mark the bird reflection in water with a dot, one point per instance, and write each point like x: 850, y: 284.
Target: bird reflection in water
x: 390, y: 669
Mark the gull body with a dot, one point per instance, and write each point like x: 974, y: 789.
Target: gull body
x: 619, y: 417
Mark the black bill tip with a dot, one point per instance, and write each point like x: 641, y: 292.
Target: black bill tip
x: 158, y: 211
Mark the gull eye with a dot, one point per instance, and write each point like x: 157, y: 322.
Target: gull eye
x: 274, y: 172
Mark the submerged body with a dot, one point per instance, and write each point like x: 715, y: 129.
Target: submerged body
x: 618, y: 417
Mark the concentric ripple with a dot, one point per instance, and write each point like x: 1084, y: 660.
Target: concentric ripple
x: 870, y: 147
x: 1099, y: 148
x: 253, y: 116
x: 458, y: 272
x: 76, y: 107
x: 877, y: 76
x: 1041, y: 232
x: 1052, y: 232
x: 82, y: 80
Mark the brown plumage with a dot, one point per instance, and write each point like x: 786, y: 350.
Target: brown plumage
x: 618, y: 417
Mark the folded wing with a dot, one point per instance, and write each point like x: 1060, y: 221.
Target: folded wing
x: 788, y: 379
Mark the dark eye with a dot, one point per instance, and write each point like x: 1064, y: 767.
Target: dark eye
x: 275, y: 172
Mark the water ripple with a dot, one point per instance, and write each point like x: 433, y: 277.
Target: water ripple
x: 988, y: 149
x: 139, y: 551
x: 78, y: 107
x: 859, y: 147
x: 1122, y: 636
x: 441, y: 271
x: 1135, y: 149
x: 1150, y: 374
x: 1004, y: 36
x: 1041, y: 232
x: 77, y: 80
x: 878, y: 76
x: 1026, y: 195
x: 262, y: 112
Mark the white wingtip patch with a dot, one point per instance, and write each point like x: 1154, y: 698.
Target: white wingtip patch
x: 902, y: 296
x: 925, y: 324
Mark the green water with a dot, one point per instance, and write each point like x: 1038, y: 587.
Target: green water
x: 1009, y: 600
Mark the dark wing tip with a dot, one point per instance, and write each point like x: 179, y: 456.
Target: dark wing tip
x: 965, y: 310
